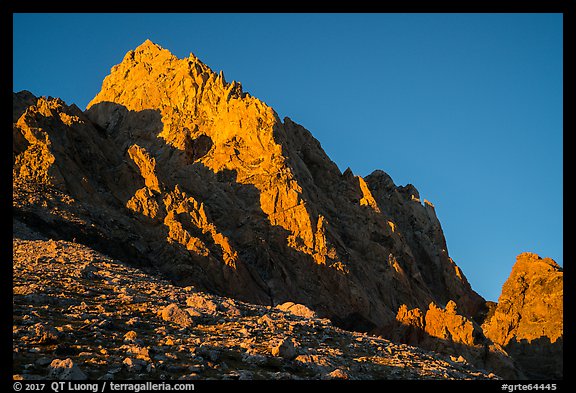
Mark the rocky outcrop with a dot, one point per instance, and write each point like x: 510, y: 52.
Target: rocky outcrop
x: 448, y: 325
x: 175, y: 169
x: 528, y: 321
x: 445, y: 331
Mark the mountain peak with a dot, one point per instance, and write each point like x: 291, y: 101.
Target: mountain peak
x: 150, y: 47
x: 173, y: 167
x: 532, y: 261
x: 528, y: 256
x: 147, y: 53
x: 147, y: 44
x: 151, y: 77
x: 242, y: 140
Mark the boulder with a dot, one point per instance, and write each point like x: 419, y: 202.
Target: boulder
x: 174, y: 314
x: 299, y: 310
x: 65, y: 370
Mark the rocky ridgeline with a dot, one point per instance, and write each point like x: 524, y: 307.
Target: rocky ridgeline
x: 79, y: 314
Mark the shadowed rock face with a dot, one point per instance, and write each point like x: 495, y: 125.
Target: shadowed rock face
x: 528, y: 321
x: 175, y: 170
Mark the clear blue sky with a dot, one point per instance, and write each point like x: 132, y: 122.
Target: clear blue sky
x: 467, y: 107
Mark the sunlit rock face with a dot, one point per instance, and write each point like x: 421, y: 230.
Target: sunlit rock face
x: 445, y: 331
x: 173, y: 168
x: 528, y: 321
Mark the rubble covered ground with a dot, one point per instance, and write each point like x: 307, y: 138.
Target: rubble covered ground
x: 79, y: 314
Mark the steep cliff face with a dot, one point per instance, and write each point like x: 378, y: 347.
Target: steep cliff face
x: 174, y: 168
x: 528, y: 321
x: 421, y: 231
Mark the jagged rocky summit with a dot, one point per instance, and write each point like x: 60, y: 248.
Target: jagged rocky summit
x: 175, y: 170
